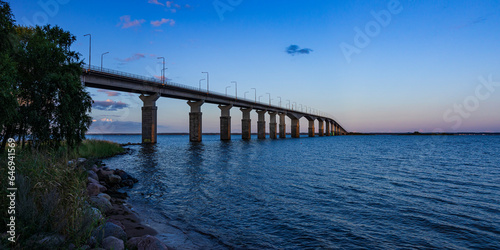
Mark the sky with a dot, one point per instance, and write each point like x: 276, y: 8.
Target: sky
x: 376, y: 66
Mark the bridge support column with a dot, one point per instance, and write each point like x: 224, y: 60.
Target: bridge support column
x: 246, y: 124
x: 295, y: 128
x: 311, y: 128
x: 225, y: 122
x: 327, y: 124
x: 149, y: 118
x: 195, y: 120
x: 261, y: 124
x: 272, y: 125
x: 282, y: 125
x: 321, y: 128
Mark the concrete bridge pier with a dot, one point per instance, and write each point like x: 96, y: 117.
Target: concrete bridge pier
x: 311, y: 128
x: 295, y: 128
x: 149, y: 118
x: 225, y: 122
x: 261, y: 124
x: 272, y: 125
x: 246, y: 124
x: 282, y: 125
x: 327, y: 124
x: 321, y: 128
x: 195, y: 120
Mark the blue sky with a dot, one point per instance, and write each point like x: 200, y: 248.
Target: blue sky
x: 377, y: 66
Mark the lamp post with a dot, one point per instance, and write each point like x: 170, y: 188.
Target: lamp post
x: 199, y: 84
x: 207, y: 80
x: 255, y: 94
x: 300, y: 107
x: 163, y: 70
x: 90, y: 47
x: 259, y: 98
x: 280, y: 100
x: 227, y: 88
x: 288, y: 105
x: 269, y: 98
x: 294, y: 105
x: 245, y: 94
x: 235, y: 89
x: 102, y: 56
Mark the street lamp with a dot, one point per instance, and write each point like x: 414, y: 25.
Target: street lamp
x: 227, y: 88
x: 163, y: 70
x: 294, y: 105
x: 255, y: 94
x: 207, y: 80
x: 259, y: 98
x: 288, y: 105
x: 102, y: 56
x: 269, y: 99
x: 199, y: 83
x: 235, y: 89
x: 90, y: 47
x: 300, y: 107
x: 245, y: 94
x: 280, y: 100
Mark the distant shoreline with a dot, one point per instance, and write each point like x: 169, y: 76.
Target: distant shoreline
x: 353, y: 133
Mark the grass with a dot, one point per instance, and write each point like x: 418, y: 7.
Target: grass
x: 51, y: 196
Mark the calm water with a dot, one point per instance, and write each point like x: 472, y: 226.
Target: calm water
x: 377, y: 192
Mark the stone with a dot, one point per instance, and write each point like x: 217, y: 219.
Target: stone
x: 103, y: 174
x: 51, y: 241
x: 92, y: 175
x: 81, y: 160
x: 114, y: 179
x: 128, y: 183
x: 96, y: 214
x: 101, y: 203
x: 92, y: 180
x: 102, y: 188
x: 150, y: 243
x: 94, y: 168
x: 112, y: 243
x: 105, y: 196
x: 109, y: 229
x: 93, y: 189
x: 116, y: 222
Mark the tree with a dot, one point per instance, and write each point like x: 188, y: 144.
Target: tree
x: 52, y: 97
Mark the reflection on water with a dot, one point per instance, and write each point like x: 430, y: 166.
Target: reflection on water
x: 330, y: 192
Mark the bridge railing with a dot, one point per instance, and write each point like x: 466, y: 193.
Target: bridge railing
x: 171, y: 83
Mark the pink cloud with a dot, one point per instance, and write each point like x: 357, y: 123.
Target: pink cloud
x: 177, y: 6
x: 126, y: 22
x: 169, y: 4
x: 173, y: 10
x: 162, y: 21
x: 109, y: 93
x: 134, y: 57
x: 155, y: 2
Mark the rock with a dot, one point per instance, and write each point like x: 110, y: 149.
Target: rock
x: 103, y: 174
x: 92, y: 242
x: 51, y: 241
x: 92, y: 175
x: 102, y: 188
x: 133, y: 242
x: 81, y: 160
x: 71, y: 162
x: 101, y: 203
x: 148, y: 242
x: 109, y: 229
x: 122, y: 174
x: 114, y: 179
x: 112, y: 243
x: 94, y: 168
x: 96, y: 214
x: 116, y: 222
x: 84, y: 247
x: 105, y: 196
x: 128, y: 183
x: 92, y: 180
x: 93, y: 189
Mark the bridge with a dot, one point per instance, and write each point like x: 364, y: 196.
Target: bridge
x: 150, y: 89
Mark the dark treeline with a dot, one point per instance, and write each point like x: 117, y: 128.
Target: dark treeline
x: 41, y: 96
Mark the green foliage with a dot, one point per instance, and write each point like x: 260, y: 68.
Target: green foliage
x: 41, y: 93
x: 51, y: 195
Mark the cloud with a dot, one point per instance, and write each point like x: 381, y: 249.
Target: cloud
x: 295, y: 49
x: 106, y: 125
x: 155, y: 2
x: 126, y: 22
x: 134, y: 57
x: 158, y: 23
x: 109, y: 93
x: 169, y: 4
x: 109, y: 105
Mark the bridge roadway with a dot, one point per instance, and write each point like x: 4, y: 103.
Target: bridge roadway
x: 151, y: 89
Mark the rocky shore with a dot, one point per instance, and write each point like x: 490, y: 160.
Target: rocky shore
x: 122, y: 228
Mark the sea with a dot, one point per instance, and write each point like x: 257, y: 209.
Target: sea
x: 337, y: 192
